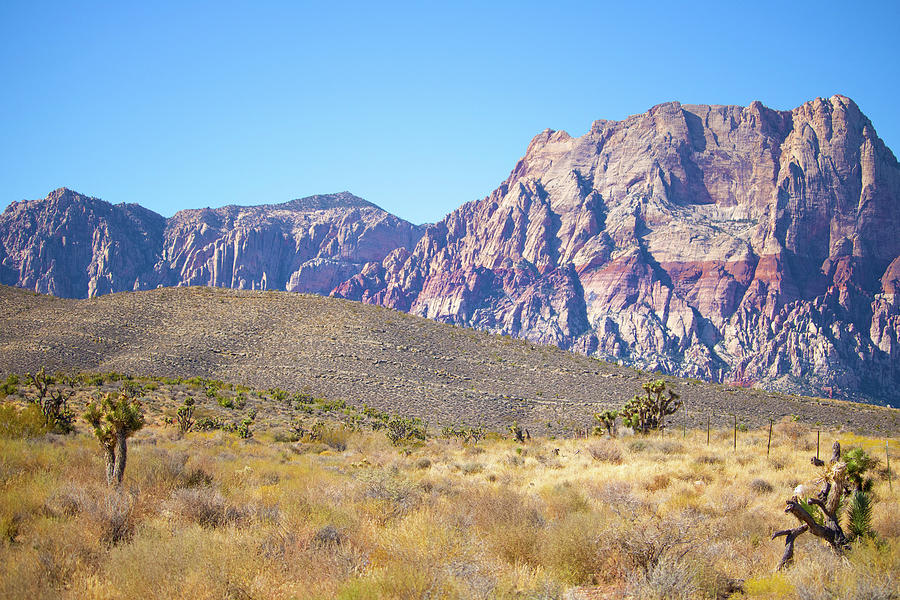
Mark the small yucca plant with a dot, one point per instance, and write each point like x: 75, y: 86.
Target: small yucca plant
x: 859, y: 515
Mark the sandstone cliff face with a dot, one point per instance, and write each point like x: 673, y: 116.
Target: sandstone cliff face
x: 74, y: 246
x: 307, y: 245
x: 723, y: 242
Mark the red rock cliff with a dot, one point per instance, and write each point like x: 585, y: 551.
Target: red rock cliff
x: 729, y: 243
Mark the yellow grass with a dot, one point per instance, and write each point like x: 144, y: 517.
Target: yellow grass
x: 211, y: 516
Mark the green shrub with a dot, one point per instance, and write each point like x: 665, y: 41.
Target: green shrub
x: 92, y: 379
x: 9, y: 387
x: 207, y: 424
x: 302, y: 398
x: 21, y: 422
x: 859, y: 515
x: 329, y: 405
x: 278, y: 395
x: 401, y: 430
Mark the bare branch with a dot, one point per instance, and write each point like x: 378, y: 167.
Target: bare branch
x: 792, y: 535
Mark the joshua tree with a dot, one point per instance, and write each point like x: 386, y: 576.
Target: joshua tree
x: 185, y: 416
x: 606, y: 420
x: 53, y: 403
x: 114, y: 420
x: 401, y: 430
x: 646, y: 413
x: 521, y: 435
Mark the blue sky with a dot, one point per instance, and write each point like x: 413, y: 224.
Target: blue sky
x: 418, y: 107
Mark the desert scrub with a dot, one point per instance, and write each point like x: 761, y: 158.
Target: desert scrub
x: 21, y: 422
x: 205, y: 506
x: 213, y: 516
x: 10, y: 386
x: 606, y: 451
x: 405, y: 430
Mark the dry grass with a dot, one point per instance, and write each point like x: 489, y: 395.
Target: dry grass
x: 211, y: 516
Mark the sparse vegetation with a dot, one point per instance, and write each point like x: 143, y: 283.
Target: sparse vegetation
x: 468, y: 435
x: 340, y: 511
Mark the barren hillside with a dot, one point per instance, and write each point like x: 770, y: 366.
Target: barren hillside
x: 363, y: 354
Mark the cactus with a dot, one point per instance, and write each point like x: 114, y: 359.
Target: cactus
x: 466, y: 434
x: 114, y: 419
x: 243, y: 430
x: 520, y: 434
x: 404, y: 429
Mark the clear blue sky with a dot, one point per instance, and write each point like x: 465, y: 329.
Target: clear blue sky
x: 416, y: 106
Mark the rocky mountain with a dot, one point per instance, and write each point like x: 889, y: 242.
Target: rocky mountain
x: 73, y: 246
x: 728, y: 243
x: 738, y: 244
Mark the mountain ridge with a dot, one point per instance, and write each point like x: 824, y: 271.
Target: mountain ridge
x: 306, y: 244
x: 729, y: 243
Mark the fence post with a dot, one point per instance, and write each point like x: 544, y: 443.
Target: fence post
x: 817, y: 443
x: 707, y: 429
x: 769, y: 445
x: 887, y: 458
x: 735, y: 432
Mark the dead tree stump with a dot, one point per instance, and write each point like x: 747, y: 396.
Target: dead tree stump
x: 834, y: 485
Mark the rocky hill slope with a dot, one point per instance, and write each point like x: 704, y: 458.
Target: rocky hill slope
x: 365, y: 354
x: 73, y: 246
x: 722, y: 242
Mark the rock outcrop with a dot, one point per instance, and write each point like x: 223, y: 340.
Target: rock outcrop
x: 722, y: 242
x: 73, y: 246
